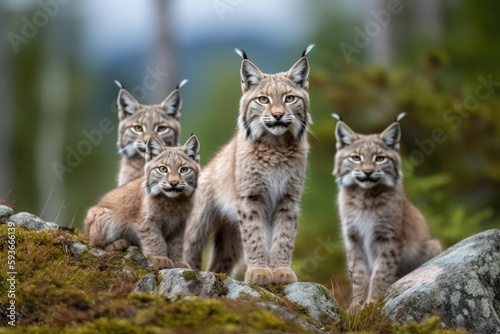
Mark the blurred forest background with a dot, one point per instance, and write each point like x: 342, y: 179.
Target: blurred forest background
x: 435, y: 60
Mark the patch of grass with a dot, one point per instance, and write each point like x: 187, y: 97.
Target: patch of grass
x: 371, y: 319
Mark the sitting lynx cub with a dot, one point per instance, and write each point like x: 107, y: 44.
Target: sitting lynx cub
x: 385, y: 236
x: 150, y: 212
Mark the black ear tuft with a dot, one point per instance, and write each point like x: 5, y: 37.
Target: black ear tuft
x: 182, y: 83
x: 400, y: 116
x: 241, y: 53
x: 337, y: 117
x: 308, y: 49
x: 119, y: 84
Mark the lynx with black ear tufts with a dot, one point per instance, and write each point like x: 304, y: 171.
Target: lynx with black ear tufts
x: 385, y: 235
x: 249, y: 193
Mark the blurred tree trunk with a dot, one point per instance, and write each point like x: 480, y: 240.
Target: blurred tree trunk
x: 428, y: 16
x: 381, y: 48
x: 5, y: 122
x: 165, y: 50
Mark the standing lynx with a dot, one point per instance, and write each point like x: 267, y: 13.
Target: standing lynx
x: 249, y: 193
x: 385, y: 235
x: 138, y: 122
x: 151, y: 211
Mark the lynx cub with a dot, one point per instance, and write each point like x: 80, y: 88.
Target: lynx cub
x: 384, y: 234
x: 150, y: 212
x: 249, y: 193
x: 138, y: 123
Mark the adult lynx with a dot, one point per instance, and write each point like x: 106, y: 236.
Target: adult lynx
x: 151, y: 211
x: 385, y: 235
x: 138, y: 122
x: 249, y: 193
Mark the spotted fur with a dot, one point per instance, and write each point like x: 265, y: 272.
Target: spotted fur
x: 150, y: 212
x: 249, y: 193
x: 385, y: 235
x: 138, y: 123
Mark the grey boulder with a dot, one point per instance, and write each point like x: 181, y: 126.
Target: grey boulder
x: 461, y: 286
x: 29, y: 221
x: 318, y: 302
x: 5, y: 212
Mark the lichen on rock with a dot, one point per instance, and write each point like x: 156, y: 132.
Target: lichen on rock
x: 461, y: 286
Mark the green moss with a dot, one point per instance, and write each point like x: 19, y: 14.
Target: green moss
x: 431, y: 325
x: 190, y: 276
x: 57, y: 288
x: 159, y: 278
x: 221, y: 276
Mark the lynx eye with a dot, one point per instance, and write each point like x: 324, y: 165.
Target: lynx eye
x: 355, y: 158
x: 263, y: 99
x: 380, y: 158
x: 162, y: 128
x: 289, y: 98
x: 137, y: 128
x: 184, y: 170
x: 163, y: 169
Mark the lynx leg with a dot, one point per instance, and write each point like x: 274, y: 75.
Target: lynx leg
x: 431, y: 248
x: 100, y: 228
x: 284, y: 231
x: 227, y: 249
x: 387, y: 251
x: 118, y: 245
x: 175, y: 252
x: 359, y: 275
x: 252, y: 220
x: 198, y: 229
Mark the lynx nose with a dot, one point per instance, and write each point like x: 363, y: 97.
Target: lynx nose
x: 368, y: 172
x: 173, y: 183
x: 277, y: 115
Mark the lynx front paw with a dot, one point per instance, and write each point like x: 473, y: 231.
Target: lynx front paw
x: 161, y: 262
x: 259, y: 275
x: 181, y: 264
x: 284, y: 275
x: 118, y: 245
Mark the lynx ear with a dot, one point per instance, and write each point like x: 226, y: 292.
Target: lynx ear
x: 391, y: 135
x: 250, y: 74
x: 127, y: 105
x: 344, y: 135
x: 173, y: 103
x: 299, y: 73
x: 192, y: 148
x: 153, y: 148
